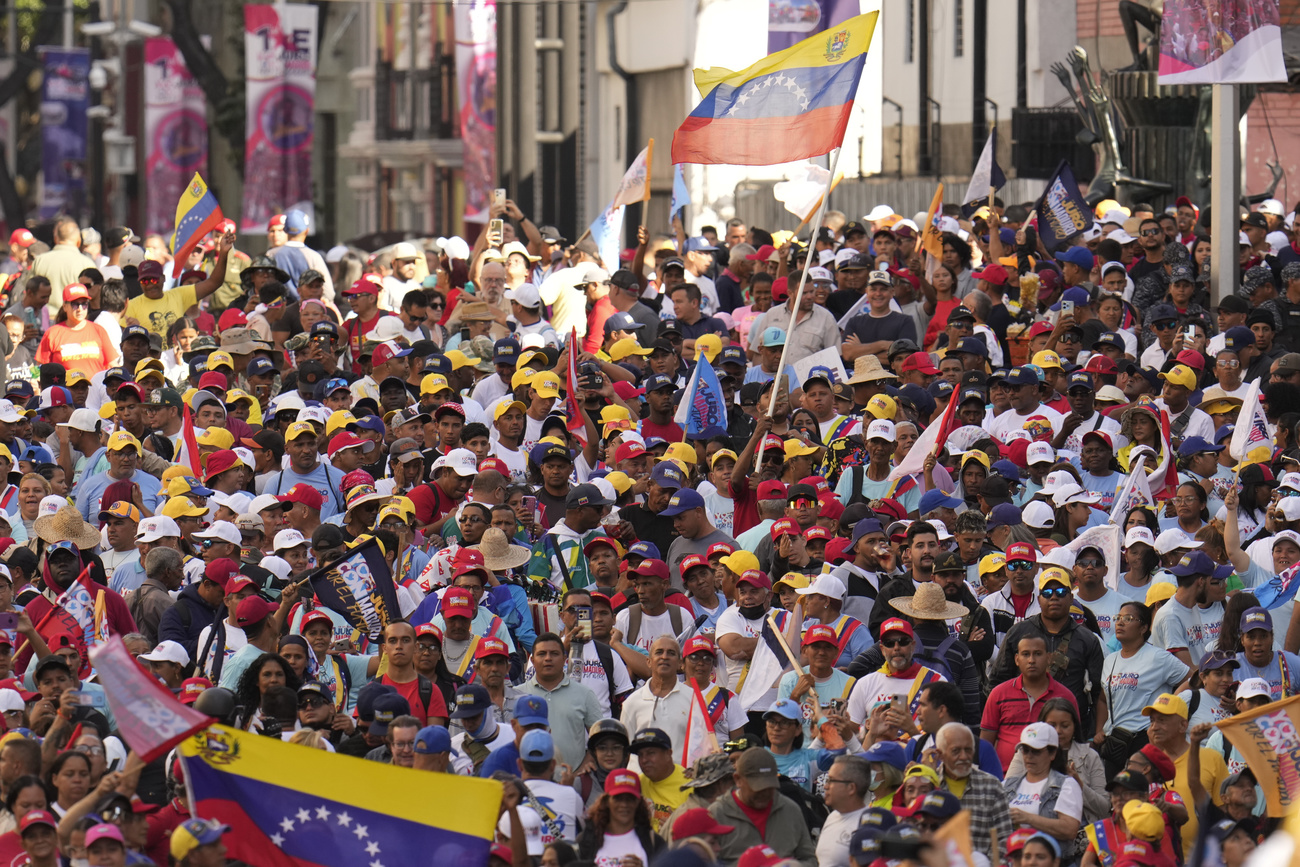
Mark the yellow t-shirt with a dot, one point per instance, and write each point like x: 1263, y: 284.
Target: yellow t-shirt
x: 157, y: 314
x: 1214, y: 770
x: 666, y: 795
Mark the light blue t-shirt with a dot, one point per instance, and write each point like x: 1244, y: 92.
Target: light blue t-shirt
x: 1273, y: 672
x: 325, y: 478
x: 237, y: 665
x: 836, y: 687
x: 873, y: 490
x: 91, y: 491
x: 1133, y: 683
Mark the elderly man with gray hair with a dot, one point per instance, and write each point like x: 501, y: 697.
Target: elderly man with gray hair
x: 979, y: 792
x: 164, y: 572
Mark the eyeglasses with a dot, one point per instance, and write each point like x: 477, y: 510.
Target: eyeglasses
x: 428, y: 647
x: 1019, y: 566
x: 1090, y: 562
x: 1184, y: 501
x: 403, y: 746
x: 1030, y: 751
x: 1127, y: 618
x: 472, y: 519
x: 962, y: 325
x: 90, y: 751
x: 1228, y: 363
x: 1054, y: 592
x: 831, y: 780
x: 895, y: 642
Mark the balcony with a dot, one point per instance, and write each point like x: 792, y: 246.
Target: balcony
x: 416, y: 105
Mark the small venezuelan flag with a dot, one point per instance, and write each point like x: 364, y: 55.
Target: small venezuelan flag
x: 791, y: 105
x: 197, y: 214
x: 294, y: 806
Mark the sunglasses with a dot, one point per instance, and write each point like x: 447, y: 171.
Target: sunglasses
x: 1147, y: 233
x: 1090, y: 562
x: 77, y: 304
x: 1019, y: 566
x: 1054, y: 592
x: 803, y: 504
x: 1164, y: 326
x: 895, y: 642
x: 314, y: 701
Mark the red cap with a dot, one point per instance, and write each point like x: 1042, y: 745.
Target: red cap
x: 920, y: 361
x: 651, y: 567
x: 762, y: 254
x: 493, y: 463
x: 1018, y: 452
x: 692, y: 561
x: 755, y: 578
x: 896, y: 624
x: 1192, y: 358
x: 253, y: 609
x: 1183, y: 200
x: 993, y: 273
x: 1018, y: 838
x: 212, y: 379
x: 696, y: 821
x: 429, y: 629
x: 218, y: 463
x: 226, y: 226
x: 1101, y: 364
x: 386, y: 352
x: 315, y: 616
x: 831, y: 506
x: 628, y: 451
x: 1100, y: 435
x: 468, y: 556
x: 37, y: 817
x: 597, y: 541
x: 346, y: 440
x: 367, y: 284
x: 276, y: 222
x: 1040, y: 328
x: 773, y: 489
x: 232, y: 318
x: 457, y: 602
x: 720, y: 548
x: 1022, y: 551
x: 699, y: 644
x: 502, y: 851
x: 817, y: 482
x: 780, y: 288
x: 491, y: 647
x: 817, y: 532
x: 305, y: 494
x: 783, y: 527
x: 822, y: 633
x: 622, y: 782
x: 838, y: 550
x: 74, y: 291
x: 192, y: 688
x: 237, y: 582
x: 759, y: 856
x: 21, y: 238
x: 220, y: 570
x: 134, y: 387
x: 626, y: 390
x: 773, y: 443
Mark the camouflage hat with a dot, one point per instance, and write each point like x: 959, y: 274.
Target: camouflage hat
x: 709, y: 770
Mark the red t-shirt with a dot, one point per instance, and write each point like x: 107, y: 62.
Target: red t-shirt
x: 431, y: 504
x: 757, y: 817
x: 87, y: 349
x: 671, y: 432
x: 356, y: 329
x: 1021, y: 603
x: 411, y: 692
x: 746, y: 500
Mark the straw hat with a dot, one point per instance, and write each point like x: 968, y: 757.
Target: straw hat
x: 867, y: 369
x: 929, y: 603
x: 68, y: 524
x: 499, y: 555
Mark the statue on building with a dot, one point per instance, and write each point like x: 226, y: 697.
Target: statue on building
x: 1149, y: 14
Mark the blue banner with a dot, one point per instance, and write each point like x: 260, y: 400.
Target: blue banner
x: 792, y: 21
x: 703, y: 411
x: 1062, y: 212
x: 360, y: 587
x: 65, y: 93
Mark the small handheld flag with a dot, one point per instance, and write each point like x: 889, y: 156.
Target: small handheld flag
x: 360, y: 587
x: 703, y: 410
x: 986, y: 178
x: 1062, y: 212
x: 1251, y: 442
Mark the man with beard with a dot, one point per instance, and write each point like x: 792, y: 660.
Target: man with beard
x: 920, y: 547
x: 890, y: 688
x: 980, y: 793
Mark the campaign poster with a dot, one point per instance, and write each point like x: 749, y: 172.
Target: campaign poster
x: 1221, y: 42
x: 792, y: 21
x: 476, y: 79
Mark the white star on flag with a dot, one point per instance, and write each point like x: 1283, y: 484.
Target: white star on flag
x: 287, y: 824
x: 278, y: 840
x: 344, y: 819
x: 304, y: 816
x: 372, y: 848
x: 322, y: 813
x: 360, y: 831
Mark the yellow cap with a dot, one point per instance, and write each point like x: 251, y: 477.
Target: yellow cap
x: 1047, y: 358
x: 403, y: 503
x: 435, y: 382
x: 977, y: 456
x: 505, y: 407
x: 796, y: 449
x: 108, y: 410
x: 1107, y: 205
x: 220, y: 359
x: 680, y: 452
x: 1159, y: 591
x: 1144, y: 821
x: 916, y: 769
x: 235, y: 395
x: 1167, y: 704
x: 722, y: 453
x: 528, y: 356
x: 74, y: 377
x: 148, y: 364
x: 521, y: 376
x: 554, y: 440
x: 1055, y: 575
x: 299, y: 429
x: 614, y: 413
x: 621, y: 481
x: 1180, y: 374
x: 175, y: 471
x: 621, y: 349
x: 740, y: 562
x: 217, y: 436
x: 391, y: 511
x: 882, y: 406
x: 122, y: 440
x: 6, y: 454
x: 338, y: 420
x: 793, y: 580
x: 992, y: 563
x: 182, y: 507
x: 546, y: 384
x: 709, y: 345
x: 459, y: 359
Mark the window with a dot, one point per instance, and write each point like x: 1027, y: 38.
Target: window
x: 958, y: 28
x: 909, y: 52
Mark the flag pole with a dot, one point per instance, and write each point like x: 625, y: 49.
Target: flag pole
x: 798, y: 298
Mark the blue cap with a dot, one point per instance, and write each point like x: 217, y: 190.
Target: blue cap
x: 1237, y: 338
x: 432, y: 739
x: 622, y: 322
x: 505, y: 351
x: 930, y: 500
x: 338, y: 383
x: 371, y: 423
x: 387, y: 708
x: 1194, y: 563
x: 259, y: 366
x: 941, y: 389
x: 974, y: 346
x: 38, y: 455
x: 888, y: 752
x: 367, y: 696
x: 1022, y: 376
x: 295, y: 221
x: 1004, y: 515
x: 1077, y: 256
x: 658, y: 381
x: 732, y: 354
x: 773, y: 337
x: 134, y: 331
x: 1255, y: 618
x: 540, y: 452
x: 1079, y: 379
x: 648, y: 550
x: 1076, y: 295
x: 1160, y: 313
x: 921, y: 399
x: 683, y: 501
x: 1224, y: 431
x: 536, y: 746
x: 1110, y: 338
x: 1196, y: 445
x: 1007, y: 470
x: 878, y: 818
x: 531, y: 710
x: 20, y: 387
x: 472, y: 699
x: 787, y: 708
x: 871, y: 525
x: 698, y: 244
x: 437, y: 363
x: 667, y: 474
x: 940, y: 804
x: 864, y: 845
x: 325, y: 326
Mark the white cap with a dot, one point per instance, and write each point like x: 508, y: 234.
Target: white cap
x: 1139, y: 534
x: 1290, y: 481
x: 1286, y: 536
x: 950, y: 224
x: 824, y: 256
x: 1272, y: 207
x: 591, y: 273
x: 155, y: 528
x: 239, y: 503
x: 404, y: 250
x: 1114, y: 215
x: 820, y: 275
x: 879, y: 212
x: 844, y: 255
x: 941, y: 529
x: 264, y: 501
x: 318, y: 414
x: 1091, y: 233
x: 223, y: 530
x: 8, y: 414
x: 82, y: 419
x: 286, y: 539
x: 1121, y: 237
x: 882, y: 429
x: 277, y: 566
x: 1242, y: 240
x: 1068, y: 495
x: 910, y: 224
x: 1040, y: 453
x: 606, y: 488
x: 10, y: 700
x: 1056, y: 480
x: 1038, y: 515
x: 525, y: 296
x: 387, y: 328
x: 287, y: 400
x: 335, y: 254
x: 1277, y: 241
x: 1058, y: 556
x: 1290, y: 508
x: 1039, y: 736
x: 1254, y: 687
x: 824, y: 584
x: 51, y: 504
x: 462, y: 461
x: 532, y: 828
x: 1172, y: 540
x: 245, y: 454
x: 456, y: 247
x: 167, y: 651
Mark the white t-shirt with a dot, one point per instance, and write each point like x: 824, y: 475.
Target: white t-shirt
x: 652, y: 626
x: 617, y: 847
x: 1098, y: 422
x: 1001, y: 426
x: 833, y: 844
x: 732, y: 622
x: 593, y: 675
x: 562, y: 805
x: 1105, y: 610
x: 877, y: 687
x: 1068, y: 803
x: 235, y: 640
x: 1199, y: 425
x: 1131, y: 684
x: 721, y: 511
x: 515, y: 459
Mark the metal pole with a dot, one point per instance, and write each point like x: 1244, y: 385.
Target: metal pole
x: 1225, y: 191
x: 67, y: 23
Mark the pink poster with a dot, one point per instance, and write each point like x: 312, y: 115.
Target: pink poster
x: 280, y: 66
x: 175, y: 129
x: 1221, y: 42
x: 476, y: 76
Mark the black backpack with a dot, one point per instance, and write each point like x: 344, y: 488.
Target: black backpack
x: 815, y: 812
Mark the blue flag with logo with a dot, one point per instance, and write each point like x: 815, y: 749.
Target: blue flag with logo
x: 681, y: 196
x: 360, y: 587
x: 703, y: 411
x: 607, y: 230
x: 1062, y: 212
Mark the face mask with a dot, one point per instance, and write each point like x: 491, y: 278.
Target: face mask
x: 752, y: 612
x: 875, y: 781
x: 486, y: 728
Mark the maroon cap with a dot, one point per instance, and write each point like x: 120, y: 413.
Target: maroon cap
x: 253, y: 609
x: 220, y: 570
x: 772, y: 489
x: 651, y: 567
x: 755, y: 577
x: 149, y: 269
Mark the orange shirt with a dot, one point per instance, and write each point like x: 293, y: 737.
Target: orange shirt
x: 87, y: 348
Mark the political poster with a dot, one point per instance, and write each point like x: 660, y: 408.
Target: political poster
x: 791, y: 21
x: 175, y: 131
x: 1211, y: 42
x: 65, y: 94
x: 476, y: 80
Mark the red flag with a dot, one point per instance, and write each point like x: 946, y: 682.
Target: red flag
x: 573, y: 406
x: 928, y: 442
x: 1170, y: 486
x: 191, y: 443
x: 150, y: 718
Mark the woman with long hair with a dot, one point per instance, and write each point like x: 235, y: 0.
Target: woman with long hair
x: 68, y: 778
x: 940, y: 302
x: 180, y: 334
x: 1081, y: 761
x: 1140, y: 425
x: 25, y: 794
x: 1229, y: 640
x: 1190, y: 509
x: 957, y: 256
x: 295, y: 651
x: 1141, y: 562
x: 267, y: 671
x: 32, y: 488
x: 430, y: 662
x: 619, y: 825
x: 1257, y: 489
x: 1073, y: 511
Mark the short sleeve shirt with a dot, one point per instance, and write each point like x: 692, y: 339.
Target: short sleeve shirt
x: 157, y: 314
x: 1133, y: 683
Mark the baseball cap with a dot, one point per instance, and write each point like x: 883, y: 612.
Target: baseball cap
x: 1038, y: 736
x: 193, y: 833
x: 897, y: 624
x: 1256, y: 618
x: 1167, y: 704
x: 759, y: 769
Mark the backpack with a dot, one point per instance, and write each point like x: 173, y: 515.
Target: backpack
x: 815, y: 812
x: 937, y: 659
x: 844, y: 453
x: 634, y: 614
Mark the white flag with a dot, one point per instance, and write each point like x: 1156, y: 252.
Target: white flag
x: 1108, y: 538
x: 635, y: 186
x: 805, y: 190
x: 1251, y: 441
x: 1136, y: 491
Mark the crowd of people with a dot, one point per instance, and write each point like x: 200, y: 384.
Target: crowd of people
x: 790, y: 642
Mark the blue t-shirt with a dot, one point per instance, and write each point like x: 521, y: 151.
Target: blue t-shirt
x: 91, y: 490
x: 1273, y: 672
x: 325, y: 478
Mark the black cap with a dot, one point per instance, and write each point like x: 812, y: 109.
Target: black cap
x: 1256, y: 220
x: 800, y: 492
x: 650, y: 737
x: 750, y: 392
x: 311, y: 372
x: 902, y: 346
x: 327, y: 536
x: 949, y: 561
x: 624, y: 279
x: 54, y: 374
x: 1131, y: 780
x: 1234, y: 304
x: 851, y: 227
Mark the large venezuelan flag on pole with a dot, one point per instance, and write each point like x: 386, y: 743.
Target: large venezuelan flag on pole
x: 791, y: 105
x: 294, y: 806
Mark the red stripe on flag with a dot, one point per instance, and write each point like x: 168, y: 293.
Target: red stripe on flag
x: 761, y: 141
x: 247, y: 842
x: 209, y: 224
x: 191, y: 442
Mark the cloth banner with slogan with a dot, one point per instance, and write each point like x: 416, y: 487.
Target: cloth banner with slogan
x: 1268, y: 739
x: 149, y: 717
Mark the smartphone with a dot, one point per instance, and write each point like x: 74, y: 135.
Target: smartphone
x: 897, y: 703
x: 496, y: 231
x: 1067, y: 308
x: 88, y: 699
x: 530, y: 504
x: 1189, y: 334
x: 499, y: 196
x: 8, y: 620
x: 584, y: 622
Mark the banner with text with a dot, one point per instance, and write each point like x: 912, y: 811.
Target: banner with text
x: 792, y: 21
x: 65, y: 92
x: 175, y: 131
x: 1207, y: 42
x: 476, y: 81
x: 280, y: 68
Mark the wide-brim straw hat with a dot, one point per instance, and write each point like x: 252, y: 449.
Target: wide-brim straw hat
x: 929, y: 603
x: 868, y: 369
x: 67, y: 524
x: 499, y: 554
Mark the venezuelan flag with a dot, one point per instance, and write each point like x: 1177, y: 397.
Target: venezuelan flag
x: 197, y: 214
x: 791, y: 105
x: 293, y: 806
